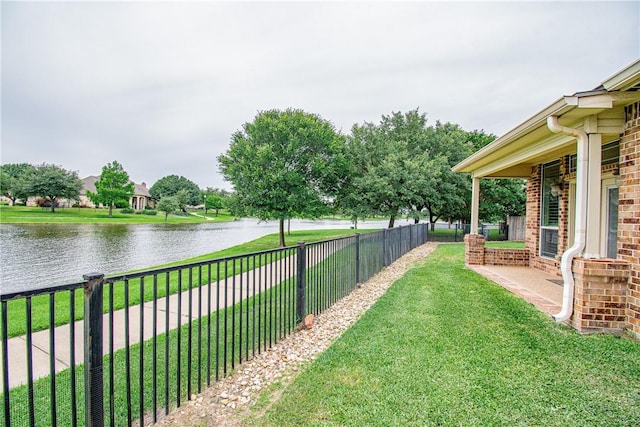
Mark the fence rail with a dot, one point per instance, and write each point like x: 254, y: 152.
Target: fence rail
x: 113, y: 350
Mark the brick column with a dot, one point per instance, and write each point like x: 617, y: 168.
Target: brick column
x: 474, y: 249
x: 629, y: 211
x: 600, y: 294
x: 532, y: 225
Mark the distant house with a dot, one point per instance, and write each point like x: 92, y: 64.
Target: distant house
x: 581, y: 159
x: 141, y: 198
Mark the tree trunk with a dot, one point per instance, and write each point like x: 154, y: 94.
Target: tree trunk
x: 110, y: 210
x: 392, y: 221
x: 289, y: 226
x: 282, y: 243
x: 416, y: 220
x: 53, y: 204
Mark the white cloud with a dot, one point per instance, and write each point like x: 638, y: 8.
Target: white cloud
x: 161, y: 87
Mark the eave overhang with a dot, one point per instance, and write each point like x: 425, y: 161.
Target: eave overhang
x: 530, y: 143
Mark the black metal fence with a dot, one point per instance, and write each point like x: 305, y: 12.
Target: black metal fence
x: 129, y: 348
x: 442, y: 232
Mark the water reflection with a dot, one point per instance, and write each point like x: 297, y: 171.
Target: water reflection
x: 43, y: 255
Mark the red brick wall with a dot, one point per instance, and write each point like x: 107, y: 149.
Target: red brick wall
x: 600, y: 295
x: 629, y: 211
x: 504, y: 256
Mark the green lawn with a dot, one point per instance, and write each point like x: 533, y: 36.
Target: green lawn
x: 445, y: 346
x: 22, y: 214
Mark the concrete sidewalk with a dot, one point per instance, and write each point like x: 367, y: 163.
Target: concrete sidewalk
x: 266, y: 277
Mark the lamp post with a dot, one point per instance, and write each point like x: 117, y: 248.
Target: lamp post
x: 205, y: 204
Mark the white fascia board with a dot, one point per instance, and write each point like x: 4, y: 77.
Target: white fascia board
x: 540, y: 119
x: 625, y: 79
x: 529, y: 154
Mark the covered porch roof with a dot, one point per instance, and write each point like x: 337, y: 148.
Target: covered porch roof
x: 531, y: 142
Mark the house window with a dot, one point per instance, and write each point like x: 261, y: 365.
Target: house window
x: 550, y: 209
x: 610, y: 155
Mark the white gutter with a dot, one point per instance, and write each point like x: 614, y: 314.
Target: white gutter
x: 581, y: 215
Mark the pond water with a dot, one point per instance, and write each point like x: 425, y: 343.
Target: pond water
x: 36, y: 256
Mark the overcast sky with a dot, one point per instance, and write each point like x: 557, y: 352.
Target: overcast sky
x: 160, y: 87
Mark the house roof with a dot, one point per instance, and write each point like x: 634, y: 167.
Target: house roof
x: 531, y: 142
x: 89, y: 184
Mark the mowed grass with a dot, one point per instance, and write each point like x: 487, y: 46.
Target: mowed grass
x: 445, y: 346
x: 25, y: 215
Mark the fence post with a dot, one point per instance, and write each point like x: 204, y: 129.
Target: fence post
x: 301, y: 285
x: 384, y: 247
x: 411, y: 240
x: 93, y: 389
x: 357, y: 258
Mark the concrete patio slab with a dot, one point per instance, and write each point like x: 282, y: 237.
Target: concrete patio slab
x: 534, y: 286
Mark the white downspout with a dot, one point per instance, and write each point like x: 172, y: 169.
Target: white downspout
x: 581, y: 215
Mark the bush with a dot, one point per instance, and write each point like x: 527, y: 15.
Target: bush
x: 45, y: 203
x: 149, y: 212
x: 127, y: 211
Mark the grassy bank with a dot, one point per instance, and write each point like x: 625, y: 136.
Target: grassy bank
x: 30, y: 215
x: 445, y: 346
x: 40, y: 304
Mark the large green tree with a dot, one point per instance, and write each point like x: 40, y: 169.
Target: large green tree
x: 14, y: 181
x: 112, y: 187
x: 393, y: 170
x: 170, y: 186
x: 447, y: 144
x: 284, y: 164
x: 53, y: 183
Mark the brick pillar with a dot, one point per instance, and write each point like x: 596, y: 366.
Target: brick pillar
x: 628, y: 211
x: 532, y: 226
x: 600, y: 294
x: 474, y: 249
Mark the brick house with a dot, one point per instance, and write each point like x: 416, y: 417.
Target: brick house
x: 581, y: 159
x: 141, y: 198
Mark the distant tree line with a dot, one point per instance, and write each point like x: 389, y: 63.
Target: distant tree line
x: 20, y: 181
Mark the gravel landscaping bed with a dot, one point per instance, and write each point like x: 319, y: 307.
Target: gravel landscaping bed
x: 227, y: 401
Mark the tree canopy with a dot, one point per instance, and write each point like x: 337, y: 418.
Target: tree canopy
x: 284, y: 164
x: 403, y: 166
x: 112, y: 187
x: 168, y: 204
x: 170, y: 186
x: 14, y: 181
x: 53, y: 183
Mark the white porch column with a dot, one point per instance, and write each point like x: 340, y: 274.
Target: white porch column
x: 475, y: 204
x: 594, y: 180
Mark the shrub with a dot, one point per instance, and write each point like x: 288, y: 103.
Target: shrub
x: 149, y: 212
x: 45, y: 203
x: 127, y: 211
